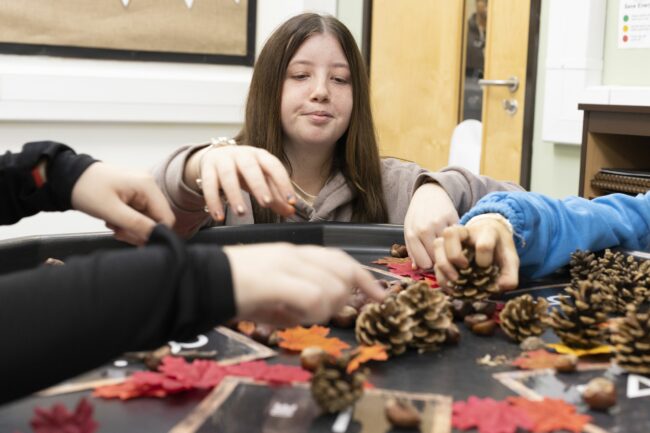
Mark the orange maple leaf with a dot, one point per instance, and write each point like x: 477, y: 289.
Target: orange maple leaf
x: 376, y: 352
x: 536, y: 360
x: 299, y: 338
x: 245, y: 327
x: 550, y: 414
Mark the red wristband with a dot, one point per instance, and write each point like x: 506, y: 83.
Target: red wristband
x: 38, y: 178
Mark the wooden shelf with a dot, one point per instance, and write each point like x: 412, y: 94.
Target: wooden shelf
x: 614, y: 136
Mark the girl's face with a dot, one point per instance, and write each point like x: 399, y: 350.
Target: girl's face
x: 317, y: 93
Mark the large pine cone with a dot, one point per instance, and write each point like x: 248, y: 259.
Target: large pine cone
x: 475, y: 282
x: 524, y: 317
x: 583, y: 265
x: 578, y: 320
x: 632, y: 340
x: 388, y: 323
x: 625, y: 281
x: 432, y: 315
x: 333, y: 387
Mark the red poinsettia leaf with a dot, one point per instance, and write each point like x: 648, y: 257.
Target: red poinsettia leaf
x: 549, y: 415
x: 58, y: 420
x: 299, y: 338
x: 489, y: 416
x: 277, y: 374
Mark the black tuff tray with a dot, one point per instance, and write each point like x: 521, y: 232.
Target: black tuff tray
x: 452, y: 371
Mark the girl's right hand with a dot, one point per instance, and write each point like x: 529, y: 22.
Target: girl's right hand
x: 233, y: 168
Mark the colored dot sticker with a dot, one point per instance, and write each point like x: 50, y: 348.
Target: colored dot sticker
x: 626, y: 18
x: 626, y: 28
x: 625, y: 38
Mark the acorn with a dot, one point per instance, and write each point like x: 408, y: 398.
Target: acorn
x: 485, y: 328
x: 600, y: 394
x: 473, y: 319
x: 453, y: 334
x: 461, y: 308
x: 402, y: 414
x: 53, y: 262
x: 312, y: 357
x: 399, y: 251
x: 262, y: 333
x: 484, y: 307
x: 566, y: 364
x: 346, y: 317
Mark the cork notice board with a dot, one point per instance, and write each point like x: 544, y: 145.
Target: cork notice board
x: 206, y: 31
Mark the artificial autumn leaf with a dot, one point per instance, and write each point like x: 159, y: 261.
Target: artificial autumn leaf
x: 489, y: 416
x: 300, y: 338
x: 177, y: 375
x: 363, y: 354
x: 405, y: 269
x: 551, y: 415
x: 566, y: 350
x: 246, y: 327
x: 57, y: 419
x: 536, y: 360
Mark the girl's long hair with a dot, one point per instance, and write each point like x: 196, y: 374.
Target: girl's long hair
x: 356, y: 154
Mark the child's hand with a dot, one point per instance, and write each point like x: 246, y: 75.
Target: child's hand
x: 130, y: 203
x: 493, y: 243
x: 286, y: 284
x: 233, y: 168
x: 430, y: 211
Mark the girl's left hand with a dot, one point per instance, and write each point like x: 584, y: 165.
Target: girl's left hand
x: 430, y: 211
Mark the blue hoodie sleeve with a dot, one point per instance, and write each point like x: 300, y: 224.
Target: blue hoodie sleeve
x: 548, y: 230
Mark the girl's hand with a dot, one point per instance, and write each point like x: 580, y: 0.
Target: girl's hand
x: 233, y: 168
x: 430, y: 212
x: 285, y: 284
x: 493, y: 242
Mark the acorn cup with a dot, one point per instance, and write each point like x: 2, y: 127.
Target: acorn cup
x: 632, y: 341
x: 475, y: 282
x: 578, y: 321
x: 524, y: 317
x: 333, y: 388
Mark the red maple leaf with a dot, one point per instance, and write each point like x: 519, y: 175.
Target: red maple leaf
x: 57, y: 419
x: 276, y: 374
x: 489, y: 416
x: 551, y: 415
x: 404, y: 268
x: 536, y: 360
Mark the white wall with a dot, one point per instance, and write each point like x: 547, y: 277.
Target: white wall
x: 127, y: 113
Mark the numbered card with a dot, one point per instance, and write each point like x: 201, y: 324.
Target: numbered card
x: 239, y: 405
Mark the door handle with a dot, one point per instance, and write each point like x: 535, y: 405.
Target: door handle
x: 512, y: 83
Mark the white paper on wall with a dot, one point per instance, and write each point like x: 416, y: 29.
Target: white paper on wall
x: 634, y: 24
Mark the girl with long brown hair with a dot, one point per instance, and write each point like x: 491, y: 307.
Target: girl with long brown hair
x: 308, y: 151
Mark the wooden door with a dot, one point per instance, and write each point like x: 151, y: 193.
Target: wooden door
x: 415, y: 82
x: 506, y: 55
x: 416, y: 72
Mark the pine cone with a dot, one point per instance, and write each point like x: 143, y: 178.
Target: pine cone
x: 333, y: 387
x: 577, y: 321
x: 388, y: 323
x: 632, y: 340
x: 625, y: 281
x: 432, y: 315
x: 475, y: 282
x: 524, y: 317
x: 583, y: 265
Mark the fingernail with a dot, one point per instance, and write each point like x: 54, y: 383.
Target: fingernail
x: 414, y: 266
x: 241, y: 210
x: 219, y: 216
x: 205, y: 209
x: 291, y: 199
x: 267, y: 199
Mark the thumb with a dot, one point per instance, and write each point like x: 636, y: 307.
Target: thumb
x: 136, y: 225
x: 368, y: 285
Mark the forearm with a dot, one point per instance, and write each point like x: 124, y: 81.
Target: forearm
x: 25, y: 191
x: 547, y: 230
x: 464, y: 188
x: 95, y: 308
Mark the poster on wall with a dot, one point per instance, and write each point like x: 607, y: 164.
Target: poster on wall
x: 203, y: 31
x: 634, y: 24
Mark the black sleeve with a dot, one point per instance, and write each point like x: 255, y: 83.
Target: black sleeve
x: 59, y: 321
x: 20, y: 196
